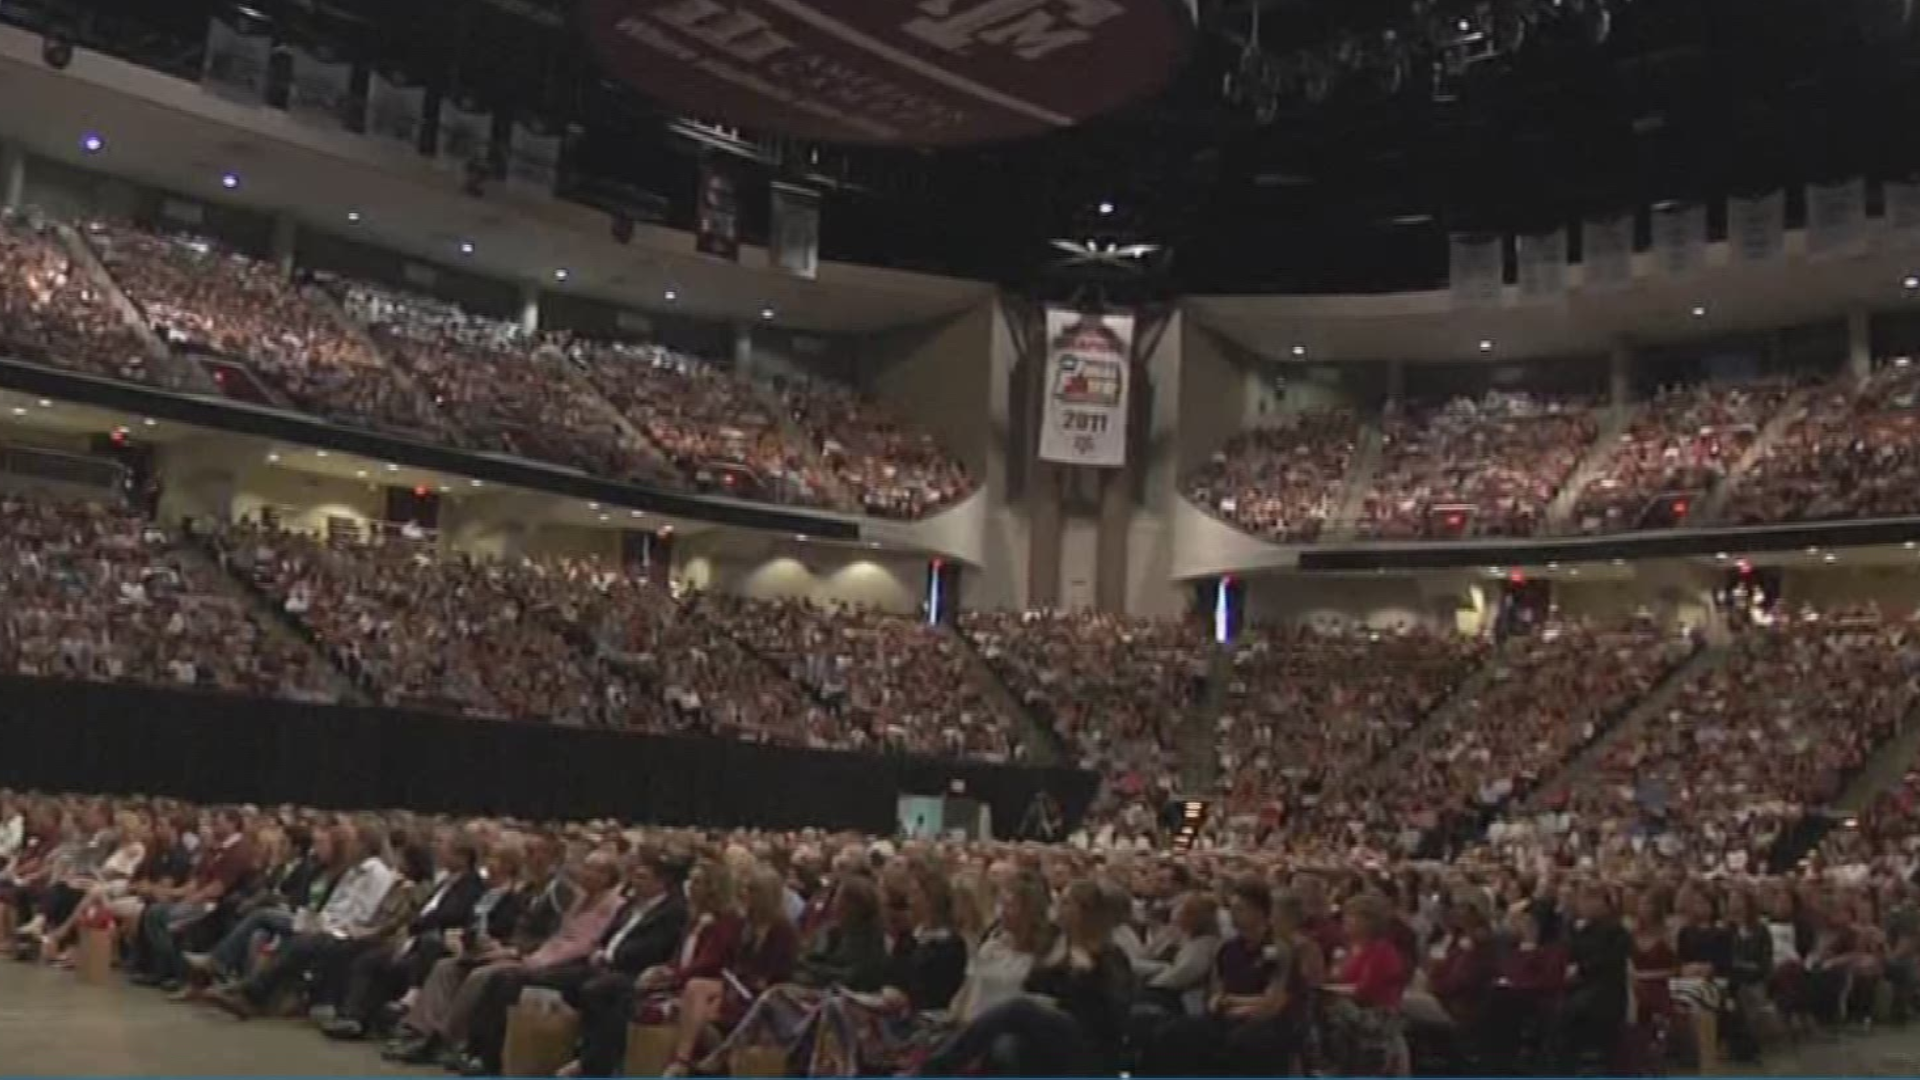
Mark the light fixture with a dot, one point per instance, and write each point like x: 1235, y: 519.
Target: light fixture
x: 766, y: 313
x: 360, y: 474
x: 560, y: 273
x: 1831, y: 557
x: 229, y: 180
x: 1908, y: 545
x: 273, y: 459
x: 149, y: 422
x: 671, y: 296
x: 1465, y: 25
x: 593, y: 506
x: 1813, y: 550
x: 1910, y: 282
x: 1486, y: 345
x: 92, y: 143
x: 1720, y: 555
x: 1699, y: 311
x: 636, y: 514
x: 603, y: 517
x: 391, y: 467
x: 802, y: 537
x: 1299, y: 350
x: 18, y: 411
x: 1106, y: 208
x: 353, y: 216
x: 473, y: 483
x: 1553, y: 566
x: 319, y: 453
x: 1619, y: 562
x: 466, y: 247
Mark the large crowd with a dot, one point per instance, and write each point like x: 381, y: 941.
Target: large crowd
x: 1682, y: 442
x: 1849, y: 453
x: 51, y: 312
x: 1282, y: 481
x: 1475, y: 466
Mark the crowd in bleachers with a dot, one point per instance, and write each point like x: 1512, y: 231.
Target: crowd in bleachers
x: 94, y: 592
x: 52, y: 312
x: 1683, y: 441
x: 895, y: 471
x: 1307, y: 708
x: 1282, y: 481
x: 1485, y: 466
x: 1850, y: 453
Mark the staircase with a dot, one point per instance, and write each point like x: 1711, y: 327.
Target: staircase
x: 1044, y: 745
x: 273, y: 617
x: 1790, y: 410
x: 838, y: 494
x: 1653, y: 704
x: 329, y: 305
x: 1196, y: 740
x: 1359, y: 482
x: 1464, y: 697
x: 175, y: 372
x: 1567, y: 499
x: 660, y: 467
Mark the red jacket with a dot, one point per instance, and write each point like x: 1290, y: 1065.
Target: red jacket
x: 1536, y: 971
x: 710, y: 947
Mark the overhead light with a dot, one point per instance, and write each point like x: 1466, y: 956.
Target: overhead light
x: 802, y: 537
x: 671, y: 296
x: 229, y: 180
x: 1486, y: 345
x: 1813, y: 550
x: 1908, y: 545
x: 18, y: 411
x: 444, y: 489
x: 360, y: 474
x: 473, y: 483
x: 466, y: 247
x: 391, y: 467
x: 353, y: 216
x: 319, y: 453
x: 1299, y: 350
x: 560, y: 273
x: 273, y: 459
x: 636, y: 513
x: 1720, y: 555
x: 1465, y: 25
x: 1910, y: 282
x: 603, y: 517
x: 766, y: 313
x: 1619, y: 562
x: 593, y: 506
x: 1831, y: 557
x: 1553, y: 566
x: 92, y: 143
x: 46, y: 404
x: 149, y: 422
x: 1106, y: 208
x: 1699, y: 311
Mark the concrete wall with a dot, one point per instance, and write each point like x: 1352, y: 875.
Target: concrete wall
x: 941, y: 378
x: 1002, y: 580
x: 770, y: 567
x: 1675, y: 591
x: 1896, y: 588
x: 1381, y: 602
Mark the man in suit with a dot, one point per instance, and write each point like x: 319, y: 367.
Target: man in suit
x: 648, y: 934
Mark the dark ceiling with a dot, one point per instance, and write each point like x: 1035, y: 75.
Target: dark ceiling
x: 1345, y: 185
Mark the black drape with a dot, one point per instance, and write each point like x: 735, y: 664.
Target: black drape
x: 220, y: 748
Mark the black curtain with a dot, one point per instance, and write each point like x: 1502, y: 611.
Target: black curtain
x: 214, y: 748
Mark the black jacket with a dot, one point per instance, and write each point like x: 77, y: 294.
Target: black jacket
x: 654, y: 940
x: 454, y: 904
x: 852, y: 961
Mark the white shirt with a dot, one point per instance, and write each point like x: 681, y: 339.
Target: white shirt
x: 357, y: 897
x: 633, y: 921
x: 13, y: 833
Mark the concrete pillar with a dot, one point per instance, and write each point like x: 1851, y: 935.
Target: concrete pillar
x: 286, y: 237
x: 1396, y: 381
x: 1859, y: 343
x: 13, y: 175
x: 743, y: 348
x: 529, y: 307
x: 1620, y: 375
x: 1045, y: 531
x: 1110, y: 545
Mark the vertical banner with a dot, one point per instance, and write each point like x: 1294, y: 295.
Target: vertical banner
x: 1679, y: 238
x: 236, y: 63
x: 795, y: 242
x: 717, y: 218
x: 1903, y: 212
x: 321, y: 90
x: 1757, y: 226
x: 1474, y: 269
x: 466, y: 135
x: 1089, y: 360
x: 1606, y: 252
x: 533, y: 159
x: 1542, y: 264
x: 1836, y: 217
x: 395, y: 111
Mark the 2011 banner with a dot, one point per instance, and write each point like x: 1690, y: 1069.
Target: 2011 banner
x: 1089, y: 364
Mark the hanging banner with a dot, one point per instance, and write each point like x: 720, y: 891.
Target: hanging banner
x: 1606, y: 252
x: 533, y: 159
x: 1679, y: 238
x: 716, y: 229
x: 236, y: 63
x: 320, y: 91
x: 1836, y: 217
x: 1089, y: 358
x: 395, y: 111
x: 1757, y: 226
x: 795, y: 241
x: 466, y: 135
x: 1474, y: 269
x: 1542, y: 262
x: 1903, y: 212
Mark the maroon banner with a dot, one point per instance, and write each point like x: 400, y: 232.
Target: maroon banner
x: 931, y: 72
x: 716, y: 227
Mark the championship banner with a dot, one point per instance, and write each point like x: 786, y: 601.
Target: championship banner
x: 1474, y: 270
x: 533, y: 159
x: 795, y: 243
x: 1836, y: 217
x: 1679, y: 238
x: 236, y: 63
x: 395, y: 111
x: 716, y: 229
x: 1542, y: 263
x: 1757, y: 226
x: 320, y: 91
x: 1606, y: 252
x: 466, y: 135
x: 1089, y: 358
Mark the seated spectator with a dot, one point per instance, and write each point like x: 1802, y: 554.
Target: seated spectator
x: 52, y: 312
x: 1283, y: 481
x: 195, y: 909
x: 1849, y: 453
x: 895, y: 472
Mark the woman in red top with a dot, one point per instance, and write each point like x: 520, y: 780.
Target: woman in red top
x: 1364, y: 1024
x: 764, y: 952
x: 1654, y: 960
x: 714, y: 930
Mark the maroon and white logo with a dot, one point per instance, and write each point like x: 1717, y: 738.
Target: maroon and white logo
x: 920, y: 72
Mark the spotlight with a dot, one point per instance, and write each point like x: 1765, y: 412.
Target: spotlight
x: 353, y: 216
x: 671, y: 296
x: 466, y: 247
x: 1699, y: 311
x: 1486, y: 345
x: 229, y: 180
x: 560, y: 273
x: 766, y: 313
x: 1299, y: 350
x: 57, y: 51
x: 1910, y: 282
x: 92, y: 143
x: 1106, y: 208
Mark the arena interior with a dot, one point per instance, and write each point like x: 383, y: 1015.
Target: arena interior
x: 969, y: 537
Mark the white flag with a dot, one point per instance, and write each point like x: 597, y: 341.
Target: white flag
x: 1679, y: 238
x: 1542, y: 263
x: 321, y: 91
x: 236, y: 63
x: 533, y: 159
x: 1836, y: 217
x: 395, y: 111
x: 1606, y: 251
x: 795, y: 241
x: 1757, y: 226
x: 465, y: 135
x: 1475, y: 270
x: 1089, y: 364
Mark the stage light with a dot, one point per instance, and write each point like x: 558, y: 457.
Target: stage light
x: 92, y: 143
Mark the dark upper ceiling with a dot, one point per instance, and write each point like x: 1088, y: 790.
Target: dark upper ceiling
x: 1344, y: 187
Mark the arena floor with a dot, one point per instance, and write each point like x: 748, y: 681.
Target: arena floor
x: 52, y: 1025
